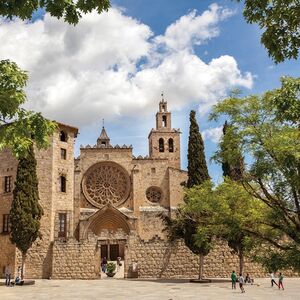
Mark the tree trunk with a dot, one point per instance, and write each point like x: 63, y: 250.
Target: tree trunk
x: 201, y: 263
x: 23, y: 265
x: 241, y: 259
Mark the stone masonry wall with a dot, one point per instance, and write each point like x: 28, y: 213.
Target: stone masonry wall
x: 76, y: 260
x: 159, y: 259
x: 8, y: 167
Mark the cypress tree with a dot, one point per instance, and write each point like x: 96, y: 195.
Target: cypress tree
x: 26, y: 212
x: 197, y: 168
x: 231, y: 157
x: 225, y: 163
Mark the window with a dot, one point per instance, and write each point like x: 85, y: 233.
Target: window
x: 62, y: 230
x: 7, y: 184
x: 163, y: 108
x: 63, y: 184
x: 153, y: 171
x: 171, y: 145
x: 161, y: 145
x: 63, y: 153
x: 63, y: 136
x: 5, y: 228
x: 164, y: 121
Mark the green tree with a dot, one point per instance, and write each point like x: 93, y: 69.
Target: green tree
x: 234, y: 216
x: 233, y: 169
x: 225, y: 212
x: 272, y: 260
x: 25, y: 212
x: 70, y: 10
x: 190, y: 224
x: 280, y: 20
x: 197, y: 168
x: 268, y: 130
x: 19, y: 127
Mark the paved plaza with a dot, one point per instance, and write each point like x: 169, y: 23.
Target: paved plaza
x: 146, y: 289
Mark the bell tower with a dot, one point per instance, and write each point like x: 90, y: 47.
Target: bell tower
x: 164, y: 141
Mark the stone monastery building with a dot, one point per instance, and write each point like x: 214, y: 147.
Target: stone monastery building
x: 106, y: 203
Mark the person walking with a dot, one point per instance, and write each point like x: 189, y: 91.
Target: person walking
x: 233, y: 280
x: 7, y: 275
x: 280, y: 281
x: 241, y: 282
x: 273, y: 280
x: 119, y: 264
x: 103, y: 264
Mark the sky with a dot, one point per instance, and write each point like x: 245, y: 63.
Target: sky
x: 114, y: 66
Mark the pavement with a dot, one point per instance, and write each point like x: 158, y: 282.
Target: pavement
x: 114, y: 288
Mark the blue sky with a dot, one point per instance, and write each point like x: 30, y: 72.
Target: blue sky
x: 114, y: 66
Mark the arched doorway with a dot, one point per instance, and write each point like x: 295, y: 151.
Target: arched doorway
x: 112, y: 228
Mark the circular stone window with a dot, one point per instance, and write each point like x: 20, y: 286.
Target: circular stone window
x: 106, y: 183
x: 154, y: 194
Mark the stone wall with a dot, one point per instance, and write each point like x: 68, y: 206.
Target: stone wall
x: 49, y: 164
x: 159, y: 259
x: 63, y: 202
x: 76, y: 260
x: 7, y: 254
x: 8, y: 167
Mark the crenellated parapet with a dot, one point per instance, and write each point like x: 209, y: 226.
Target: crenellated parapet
x: 100, y: 146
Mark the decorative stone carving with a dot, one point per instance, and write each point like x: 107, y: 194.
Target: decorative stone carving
x: 154, y: 194
x: 106, y: 183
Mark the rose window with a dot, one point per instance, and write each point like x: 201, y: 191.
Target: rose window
x: 154, y: 194
x: 106, y: 183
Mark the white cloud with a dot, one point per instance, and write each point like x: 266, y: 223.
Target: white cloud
x: 111, y: 65
x: 213, y: 134
x: 193, y: 29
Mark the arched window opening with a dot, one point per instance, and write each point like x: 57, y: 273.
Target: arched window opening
x: 63, y: 184
x: 63, y: 136
x: 163, y: 108
x: 161, y: 145
x: 164, y: 121
x: 171, y: 145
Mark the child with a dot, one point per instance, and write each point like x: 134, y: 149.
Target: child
x: 233, y: 280
x: 241, y: 281
x: 280, y: 282
x: 273, y: 279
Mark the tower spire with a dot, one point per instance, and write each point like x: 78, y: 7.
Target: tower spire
x: 103, y: 140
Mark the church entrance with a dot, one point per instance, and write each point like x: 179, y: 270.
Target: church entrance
x: 112, y: 251
x: 112, y: 229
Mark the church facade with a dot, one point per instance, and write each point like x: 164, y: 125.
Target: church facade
x: 107, y: 203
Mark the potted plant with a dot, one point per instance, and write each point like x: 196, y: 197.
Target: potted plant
x: 110, y: 269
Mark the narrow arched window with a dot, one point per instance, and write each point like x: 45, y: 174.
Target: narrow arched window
x: 161, y: 145
x: 63, y: 184
x: 63, y: 136
x: 171, y: 145
x: 164, y: 121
